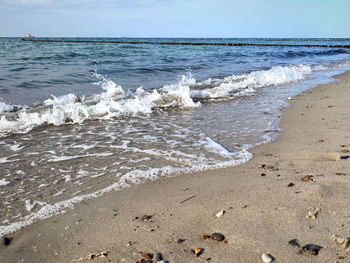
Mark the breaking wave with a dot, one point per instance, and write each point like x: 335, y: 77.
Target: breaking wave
x: 115, y: 102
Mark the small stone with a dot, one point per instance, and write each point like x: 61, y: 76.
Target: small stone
x: 344, y: 157
x: 307, y: 178
x: 146, y: 255
x: 218, y: 236
x: 204, y: 237
x: 180, y: 240
x: 344, y: 151
x: 221, y: 213
x: 159, y: 256
x: 263, y: 174
x: 197, y: 251
x: 146, y: 218
x: 320, y: 140
x: 294, y: 243
x: 6, y: 241
x: 266, y: 258
x: 290, y: 185
x: 312, y: 249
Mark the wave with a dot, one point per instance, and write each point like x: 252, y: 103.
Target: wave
x: 115, y: 102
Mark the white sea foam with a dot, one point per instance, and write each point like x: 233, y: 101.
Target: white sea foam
x: 134, y: 176
x: 114, y: 101
x: 3, y: 182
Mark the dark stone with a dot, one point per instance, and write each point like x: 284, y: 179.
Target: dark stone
x: 263, y: 174
x: 6, y: 241
x: 180, y: 240
x: 294, y: 243
x: 218, y: 236
x: 344, y: 157
x: 290, y: 185
x: 312, y: 249
x: 159, y: 256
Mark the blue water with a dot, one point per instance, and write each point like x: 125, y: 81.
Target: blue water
x: 81, y: 119
x: 31, y: 72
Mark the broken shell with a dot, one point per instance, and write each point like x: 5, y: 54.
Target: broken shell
x: 221, y: 213
x: 218, y: 236
x: 267, y: 258
x: 197, y: 251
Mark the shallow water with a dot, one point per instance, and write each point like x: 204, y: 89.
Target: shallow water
x: 123, y: 114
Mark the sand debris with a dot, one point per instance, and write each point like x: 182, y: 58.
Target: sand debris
x: 92, y: 256
x: 343, y: 241
x: 313, y: 213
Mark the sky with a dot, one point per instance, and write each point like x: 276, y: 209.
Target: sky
x: 175, y: 18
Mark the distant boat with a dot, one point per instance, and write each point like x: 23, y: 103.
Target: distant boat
x: 28, y: 36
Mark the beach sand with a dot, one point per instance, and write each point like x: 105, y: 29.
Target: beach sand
x: 263, y: 213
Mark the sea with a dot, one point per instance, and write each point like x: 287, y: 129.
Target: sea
x: 80, y: 119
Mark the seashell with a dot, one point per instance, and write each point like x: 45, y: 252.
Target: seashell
x: 221, y: 213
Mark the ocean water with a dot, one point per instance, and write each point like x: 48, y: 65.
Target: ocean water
x: 80, y: 119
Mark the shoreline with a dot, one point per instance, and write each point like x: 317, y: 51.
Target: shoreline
x: 262, y: 213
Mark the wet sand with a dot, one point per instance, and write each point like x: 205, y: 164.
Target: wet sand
x: 266, y: 207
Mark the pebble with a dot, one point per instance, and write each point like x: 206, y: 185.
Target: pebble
x: 6, y: 241
x: 159, y: 256
x: 294, y: 243
x: 267, y: 258
x: 146, y: 218
x: 218, y: 236
x: 312, y: 249
x: 290, y: 185
x: 308, y: 178
x: 344, y: 157
x: 204, y: 237
x: 197, y: 251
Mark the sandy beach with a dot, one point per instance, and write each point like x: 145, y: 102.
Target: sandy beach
x: 295, y: 188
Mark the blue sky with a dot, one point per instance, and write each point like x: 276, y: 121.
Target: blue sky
x: 175, y: 18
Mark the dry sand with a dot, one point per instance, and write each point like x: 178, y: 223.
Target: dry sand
x: 262, y: 212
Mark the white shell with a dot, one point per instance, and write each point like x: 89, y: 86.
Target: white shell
x: 221, y: 213
x: 266, y: 258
